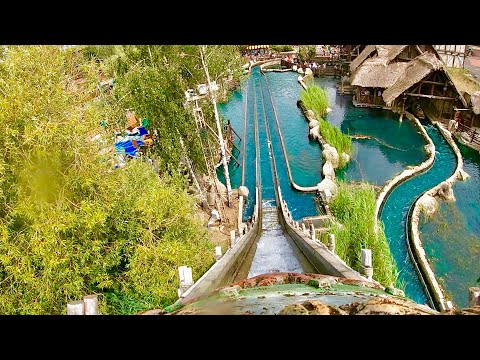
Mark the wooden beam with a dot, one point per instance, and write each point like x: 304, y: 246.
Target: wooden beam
x: 432, y: 82
x: 236, y: 147
x: 431, y: 96
x: 233, y: 157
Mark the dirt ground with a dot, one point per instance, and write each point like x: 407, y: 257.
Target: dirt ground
x: 220, y: 233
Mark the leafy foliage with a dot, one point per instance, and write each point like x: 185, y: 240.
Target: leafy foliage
x: 281, y: 48
x: 70, y: 225
x: 307, y: 52
x: 354, y: 208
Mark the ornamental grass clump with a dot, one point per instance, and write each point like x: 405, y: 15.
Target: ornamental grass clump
x: 354, y: 208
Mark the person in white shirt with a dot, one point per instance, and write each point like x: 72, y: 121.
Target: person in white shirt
x: 214, y: 218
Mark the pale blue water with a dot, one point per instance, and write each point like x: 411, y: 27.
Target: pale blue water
x: 452, y: 238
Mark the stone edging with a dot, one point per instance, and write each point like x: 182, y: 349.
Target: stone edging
x: 409, y: 172
x: 438, y: 291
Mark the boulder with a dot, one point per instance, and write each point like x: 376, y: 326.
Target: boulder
x: 310, y: 114
x: 327, y: 184
x: 345, y: 157
x: 294, y: 67
x: 314, y: 133
x: 294, y: 309
x: 328, y: 170
x: 452, y: 125
x: 300, y: 70
x: 445, y: 191
x: 428, y: 204
x: 429, y: 149
x: 243, y: 191
x: 330, y: 153
x: 462, y: 175
x: 312, y: 123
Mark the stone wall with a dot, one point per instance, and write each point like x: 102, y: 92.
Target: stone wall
x: 437, y: 291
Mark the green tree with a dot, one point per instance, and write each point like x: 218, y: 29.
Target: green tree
x: 306, y: 52
x: 70, y: 224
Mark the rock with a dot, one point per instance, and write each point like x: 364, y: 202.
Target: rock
x: 300, y: 70
x: 428, y: 204
x: 452, y: 125
x: 330, y: 153
x: 315, y: 307
x: 328, y: 170
x: 391, y: 306
x: 243, y: 191
x: 327, y: 110
x: 293, y: 309
x: 429, y: 149
x: 308, y: 72
x: 230, y: 291
x: 445, y: 191
x: 314, y: 133
x: 221, y: 188
x: 310, y: 114
x: 345, y: 157
x: 294, y: 67
x: 312, y: 123
x: 462, y: 175
x: 328, y: 184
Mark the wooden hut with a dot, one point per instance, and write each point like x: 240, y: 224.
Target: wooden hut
x: 400, y: 76
x: 376, y: 69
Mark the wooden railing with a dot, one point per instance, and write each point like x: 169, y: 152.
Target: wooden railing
x: 473, y: 134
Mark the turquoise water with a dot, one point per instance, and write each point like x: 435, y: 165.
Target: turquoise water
x: 397, y: 204
x: 452, y: 238
x: 305, y: 156
x: 394, y: 146
x: 300, y: 204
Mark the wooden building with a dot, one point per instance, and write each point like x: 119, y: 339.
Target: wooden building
x: 398, y: 77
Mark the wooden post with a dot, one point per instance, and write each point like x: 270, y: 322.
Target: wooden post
x: 312, y: 232
x: 218, y: 252
x: 366, y: 261
x: 331, y: 242
x: 76, y: 307
x: 91, y: 304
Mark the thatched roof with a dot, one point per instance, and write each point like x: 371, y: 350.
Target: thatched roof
x: 373, y: 73
x: 475, y: 98
x: 385, y: 54
x: 394, y: 51
x: 361, y: 57
x: 416, y: 70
